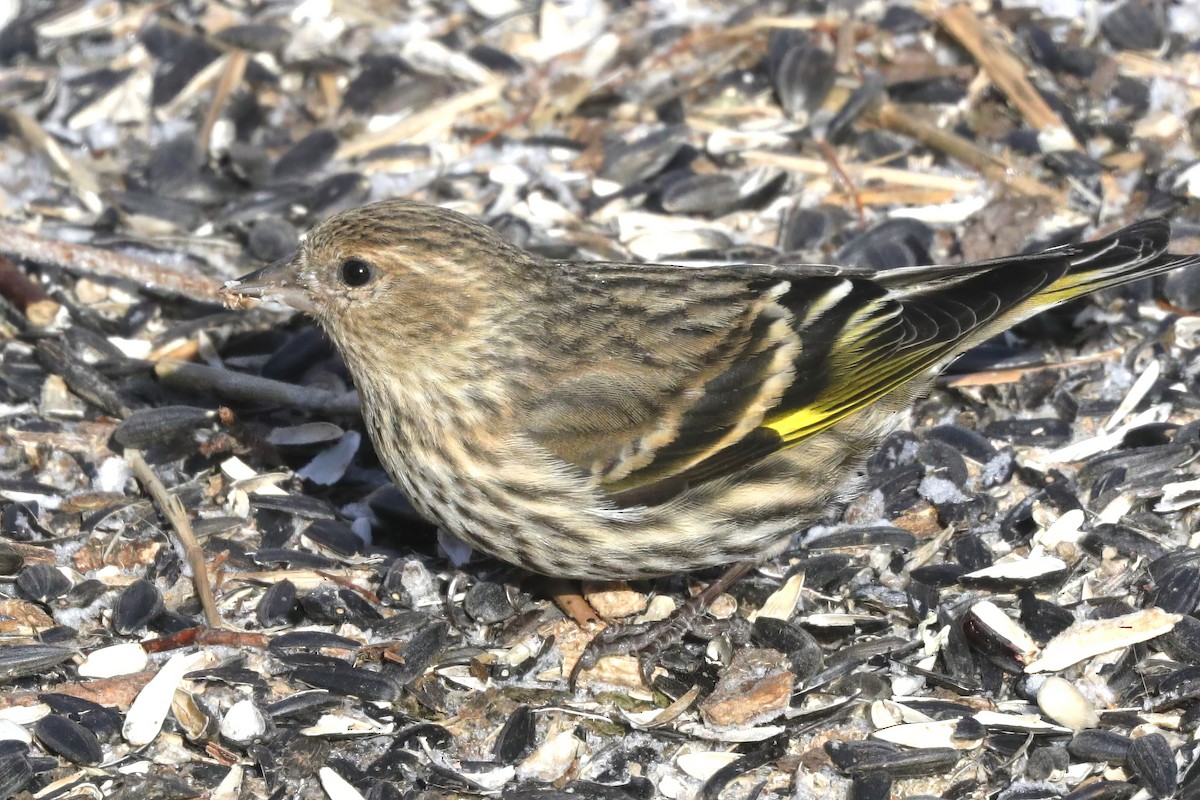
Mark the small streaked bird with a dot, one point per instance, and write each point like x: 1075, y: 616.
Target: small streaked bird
x: 619, y: 421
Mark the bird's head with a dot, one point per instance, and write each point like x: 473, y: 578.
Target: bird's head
x: 393, y: 271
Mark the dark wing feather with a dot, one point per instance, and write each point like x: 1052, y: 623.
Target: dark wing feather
x: 882, y: 340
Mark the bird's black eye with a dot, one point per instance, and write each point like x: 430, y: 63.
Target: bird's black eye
x: 356, y: 272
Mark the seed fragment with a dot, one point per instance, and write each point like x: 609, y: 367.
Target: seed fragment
x: 42, y: 583
x: 19, y: 660
x: 1151, y: 758
x: 136, y: 606
x: 67, y: 738
x: 1090, y: 638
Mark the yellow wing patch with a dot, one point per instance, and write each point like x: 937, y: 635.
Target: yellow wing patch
x: 802, y: 424
x: 852, y: 392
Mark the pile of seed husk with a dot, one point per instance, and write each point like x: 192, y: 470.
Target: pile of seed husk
x: 209, y: 588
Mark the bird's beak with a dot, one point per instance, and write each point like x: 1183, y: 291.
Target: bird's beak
x: 278, y: 282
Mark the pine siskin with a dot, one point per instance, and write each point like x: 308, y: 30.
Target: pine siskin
x: 619, y: 421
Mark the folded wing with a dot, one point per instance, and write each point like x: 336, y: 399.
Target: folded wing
x: 716, y: 368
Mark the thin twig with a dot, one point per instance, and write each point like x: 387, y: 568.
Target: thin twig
x: 835, y: 167
x: 175, y: 513
x: 82, y: 259
x: 992, y: 377
x: 252, y: 388
x: 231, y: 78
x: 207, y: 637
x: 425, y: 126
x: 350, y: 586
x: 991, y: 166
x: 1139, y: 66
x: 1007, y: 71
x: 891, y: 196
x: 845, y: 45
x: 795, y: 23
x: 863, y: 172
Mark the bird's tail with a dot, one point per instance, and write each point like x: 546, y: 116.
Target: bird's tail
x: 1132, y: 253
